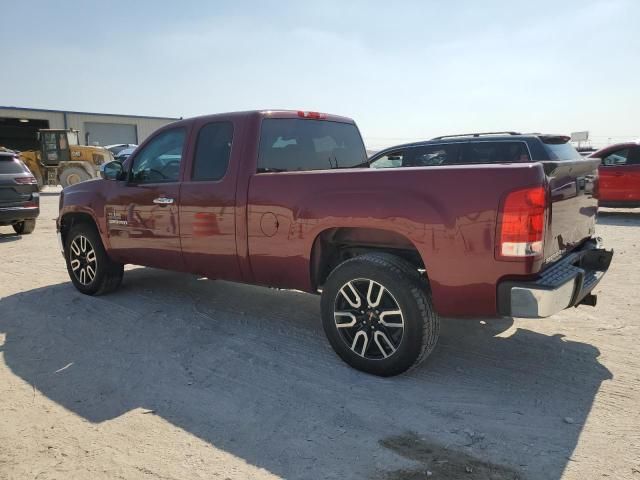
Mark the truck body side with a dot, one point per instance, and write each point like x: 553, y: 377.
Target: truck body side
x: 288, y: 229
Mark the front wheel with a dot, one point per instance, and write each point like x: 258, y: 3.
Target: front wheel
x: 377, y: 314
x: 90, y: 268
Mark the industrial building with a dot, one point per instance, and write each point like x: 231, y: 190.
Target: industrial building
x: 19, y: 126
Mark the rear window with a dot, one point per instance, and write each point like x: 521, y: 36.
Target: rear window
x: 9, y: 164
x: 561, y: 151
x: 291, y: 144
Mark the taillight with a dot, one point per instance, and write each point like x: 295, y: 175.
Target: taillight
x: 30, y: 180
x: 313, y: 115
x: 522, y: 222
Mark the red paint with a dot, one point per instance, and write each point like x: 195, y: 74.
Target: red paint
x: 261, y: 227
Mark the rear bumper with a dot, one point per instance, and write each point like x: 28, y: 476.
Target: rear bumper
x: 565, y: 284
x: 11, y: 215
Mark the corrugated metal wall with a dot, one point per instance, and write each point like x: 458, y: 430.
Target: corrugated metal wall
x: 144, y: 126
x: 55, y: 119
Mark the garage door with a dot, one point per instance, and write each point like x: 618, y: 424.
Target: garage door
x: 109, y: 133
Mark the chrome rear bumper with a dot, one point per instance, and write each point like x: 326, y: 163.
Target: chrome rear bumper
x: 566, y: 283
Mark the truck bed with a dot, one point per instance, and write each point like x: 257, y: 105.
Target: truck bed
x: 448, y: 213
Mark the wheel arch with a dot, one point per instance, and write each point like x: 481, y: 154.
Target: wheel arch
x: 334, y: 245
x: 69, y: 219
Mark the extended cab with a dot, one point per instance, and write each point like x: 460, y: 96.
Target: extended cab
x: 289, y: 200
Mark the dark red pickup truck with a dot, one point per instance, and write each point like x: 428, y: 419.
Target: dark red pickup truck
x: 290, y: 200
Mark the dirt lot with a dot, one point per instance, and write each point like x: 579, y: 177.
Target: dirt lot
x: 179, y: 377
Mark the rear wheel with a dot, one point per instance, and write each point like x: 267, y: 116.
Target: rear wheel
x: 90, y: 268
x: 377, y: 314
x: 73, y: 175
x: 25, y: 227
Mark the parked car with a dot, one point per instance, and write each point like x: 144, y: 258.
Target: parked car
x: 477, y: 148
x: 19, y: 197
x: 123, y: 154
x: 619, y: 172
x: 288, y: 200
x: 116, y: 148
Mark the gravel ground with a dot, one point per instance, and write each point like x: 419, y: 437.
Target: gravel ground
x: 179, y: 377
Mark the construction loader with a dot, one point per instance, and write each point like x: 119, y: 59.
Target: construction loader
x: 62, y: 160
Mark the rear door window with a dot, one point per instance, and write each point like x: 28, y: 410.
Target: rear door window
x: 212, y: 151
x: 291, y: 144
x: 634, y: 155
x: 495, y: 152
x: 433, y: 155
x: 423, y: 156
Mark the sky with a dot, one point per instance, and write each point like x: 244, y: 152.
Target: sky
x: 404, y: 70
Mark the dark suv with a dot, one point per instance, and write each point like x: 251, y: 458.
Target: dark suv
x: 19, y: 197
x: 477, y: 148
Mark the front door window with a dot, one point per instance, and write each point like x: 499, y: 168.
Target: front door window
x: 159, y: 160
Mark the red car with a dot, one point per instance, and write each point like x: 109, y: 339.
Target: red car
x: 619, y: 173
x: 290, y: 200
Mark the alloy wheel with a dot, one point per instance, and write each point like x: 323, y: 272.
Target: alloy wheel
x: 83, y: 261
x: 369, y: 319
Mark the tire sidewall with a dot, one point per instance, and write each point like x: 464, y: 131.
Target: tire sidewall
x: 25, y: 227
x: 400, y: 287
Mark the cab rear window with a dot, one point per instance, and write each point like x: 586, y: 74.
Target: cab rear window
x: 291, y: 144
x: 10, y: 165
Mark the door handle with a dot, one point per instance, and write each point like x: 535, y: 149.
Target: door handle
x: 163, y: 201
x: 619, y: 174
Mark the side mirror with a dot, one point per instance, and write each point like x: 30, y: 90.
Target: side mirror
x: 111, y: 170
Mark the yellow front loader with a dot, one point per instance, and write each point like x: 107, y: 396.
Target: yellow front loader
x: 62, y: 160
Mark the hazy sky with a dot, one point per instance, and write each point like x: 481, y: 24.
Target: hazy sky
x: 404, y: 70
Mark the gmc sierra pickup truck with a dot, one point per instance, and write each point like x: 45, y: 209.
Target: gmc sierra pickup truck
x: 289, y: 199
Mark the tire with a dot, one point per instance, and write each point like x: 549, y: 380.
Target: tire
x: 379, y: 341
x: 25, y: 227
x: 73, y: 175
x: 90, y: 268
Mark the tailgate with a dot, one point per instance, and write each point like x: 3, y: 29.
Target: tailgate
x: 573, y: 205
x: 12, y: 194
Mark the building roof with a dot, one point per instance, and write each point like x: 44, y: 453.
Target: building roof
x: 26, y: 109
